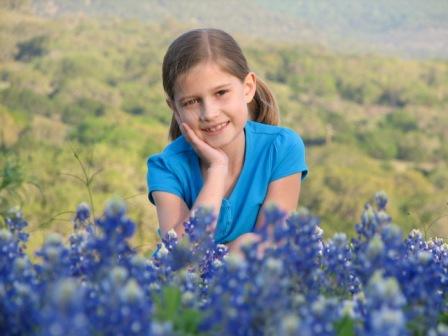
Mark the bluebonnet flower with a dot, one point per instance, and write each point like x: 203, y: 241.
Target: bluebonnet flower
x: 19, y: 287
x: 16, y: 223
x: 144, y: 271
x: 163, y: 329
x: 118, y: 305
x: 274, y: 224
x: 170, y: 240
x: 424, y: 279
x: 241, y: 288
x: 19, y: 308
x: 381, y: 200
x: 63, y: 312
x: 440, y: 330
x: 172, y: 254
x: 110, y: 246
x: 302, y: 286
x: 318, y: 317
x: 197, y: 227
x: 212, y: 261
x: 371, y: 222
x: 55, y: 259
x: 9, y: 251
x: 303, y: 252
x: 19, y: 298
x: 223, y: 309
x: 337, y: 261
x: 82, y: 216
x: 198, y: 249
x: 383, y: 306
x: 114, y: 223
x: 82, y: 257
x: 379, y: 244
x: 290, y: 325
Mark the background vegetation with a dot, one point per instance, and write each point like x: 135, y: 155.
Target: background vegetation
x: 90, y: 86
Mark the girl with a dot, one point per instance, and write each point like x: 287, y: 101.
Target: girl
x: 226, y: 152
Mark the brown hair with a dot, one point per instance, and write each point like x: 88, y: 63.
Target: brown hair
x: 198, y: 45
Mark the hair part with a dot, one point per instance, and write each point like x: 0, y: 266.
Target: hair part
x: 201, y: 45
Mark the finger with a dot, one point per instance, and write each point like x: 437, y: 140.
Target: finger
x: 198, y: 144
x: 182, y: 129
x: 261, y: 248
x: 191, y: 135
x: 185, y: 130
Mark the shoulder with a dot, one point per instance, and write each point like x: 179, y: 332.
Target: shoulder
x: 177, y: 156
x: 283, y: 148
x: 174, y: 153
x: 278, y: 136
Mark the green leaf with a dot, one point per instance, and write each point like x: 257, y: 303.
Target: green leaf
x: 169, y: 307
x: 188, y: 321
x: 345, y: 326
x: 443, y: 318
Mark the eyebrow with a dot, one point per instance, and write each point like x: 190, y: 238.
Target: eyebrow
x: 214, y: 89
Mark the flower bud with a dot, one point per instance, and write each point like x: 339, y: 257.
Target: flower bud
x: 132, y: 291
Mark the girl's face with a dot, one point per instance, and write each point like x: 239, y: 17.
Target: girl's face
x: 213, y: 103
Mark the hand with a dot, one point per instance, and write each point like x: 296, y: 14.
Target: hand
x: 211, y: 157
x: 247, y: 239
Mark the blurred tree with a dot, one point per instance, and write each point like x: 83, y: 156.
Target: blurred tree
x: 26, y: 101
x: 34, y: 47
x: 15, y: 4
x: 83, y: 108
x: 402, y: 120
x: 379, y: 143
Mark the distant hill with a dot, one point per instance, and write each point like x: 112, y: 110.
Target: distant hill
x: 408, y: 28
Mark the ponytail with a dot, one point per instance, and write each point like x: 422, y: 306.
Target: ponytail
x: 174, y: 132
x: 263, y: 107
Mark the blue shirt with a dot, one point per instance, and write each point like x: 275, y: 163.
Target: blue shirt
x: 271, y: 152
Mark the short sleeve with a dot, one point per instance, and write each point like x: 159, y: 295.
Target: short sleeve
x: 288, y: 155
x: 161, y: 178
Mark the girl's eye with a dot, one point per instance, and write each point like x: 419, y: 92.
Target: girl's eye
x: 189, y: 102
x: 222, y: 92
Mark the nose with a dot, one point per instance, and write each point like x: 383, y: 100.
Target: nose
x: 209, y: 111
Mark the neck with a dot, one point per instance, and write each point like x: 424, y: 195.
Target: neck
x: 235, y: 152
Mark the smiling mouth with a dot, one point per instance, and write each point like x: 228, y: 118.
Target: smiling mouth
x: 216, y: 128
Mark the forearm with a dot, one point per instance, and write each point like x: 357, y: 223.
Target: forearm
x: 210, y: 196
x: 212, y: 191
x: 235, y: 247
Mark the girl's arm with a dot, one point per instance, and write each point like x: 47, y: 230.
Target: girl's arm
x: 172, y: 211
x: 284, y: 193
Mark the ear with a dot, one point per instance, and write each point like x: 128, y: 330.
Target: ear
x: 250, y: 87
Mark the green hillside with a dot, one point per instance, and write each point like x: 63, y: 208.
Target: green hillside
x: 409, y: 28
x: 92, y: 86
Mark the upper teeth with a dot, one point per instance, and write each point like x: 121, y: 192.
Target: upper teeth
x: 216, y: 128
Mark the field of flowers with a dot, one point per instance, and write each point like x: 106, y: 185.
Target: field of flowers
x: 379, y: 283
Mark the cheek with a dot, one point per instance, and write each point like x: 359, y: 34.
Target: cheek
x: 241, y: 109
x: 193, y: 122
x: 187, y: 117
x: 238, y: 105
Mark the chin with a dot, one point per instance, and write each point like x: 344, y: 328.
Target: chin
x: 217, y: 144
